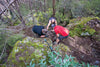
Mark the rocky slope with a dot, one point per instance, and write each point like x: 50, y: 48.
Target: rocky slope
x: 85, y: 48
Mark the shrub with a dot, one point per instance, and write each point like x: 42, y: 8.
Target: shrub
x: 56, y: 60
x: 13, y: 39
x: 81, y: 28
x: 43, y: 17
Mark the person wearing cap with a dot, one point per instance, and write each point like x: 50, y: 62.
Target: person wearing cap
x: 39, y: 30
x: 52, y: 22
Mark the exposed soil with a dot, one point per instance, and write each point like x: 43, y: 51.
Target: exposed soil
x: 85, y: 49
x: 80, y: 48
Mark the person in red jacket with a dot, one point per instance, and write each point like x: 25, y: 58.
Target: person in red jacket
x: 61, y: 33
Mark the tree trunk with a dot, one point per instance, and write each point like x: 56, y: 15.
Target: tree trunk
x: 21, y: 18
x: 53, y: 7
x: 44, y: 5
x: 40, y: 8
x: 31, y: 5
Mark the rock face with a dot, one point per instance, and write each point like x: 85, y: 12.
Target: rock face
x: 26, y: 50
x: 95, y: 24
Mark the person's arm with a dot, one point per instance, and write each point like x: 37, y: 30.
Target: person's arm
x: 55, y: 22
x: 42, y: 36
x: 48, y: 24
x: 57, y: 35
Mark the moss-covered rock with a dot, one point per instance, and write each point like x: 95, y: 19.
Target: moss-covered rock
x: 26, y: 50
x: 29, y: 48
x: 81, y: 27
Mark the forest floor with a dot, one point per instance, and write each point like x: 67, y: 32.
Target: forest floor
x: 80, y: 46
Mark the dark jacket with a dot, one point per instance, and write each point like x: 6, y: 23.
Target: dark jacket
x: 38, y: 30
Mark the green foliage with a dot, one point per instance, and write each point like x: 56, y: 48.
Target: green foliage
x: 3, y: 36
x: 30, y: 23
x: 16, y: 22
x: 61, y: 18
x: 24, y: 9
x: 7, y: 38
x: 92, y: 7
x: 57, y: 61
x: 81, y: 28
x: 78, y: 8
x: 43, y: 17
x: 13, y: 39
x: 31, y: 64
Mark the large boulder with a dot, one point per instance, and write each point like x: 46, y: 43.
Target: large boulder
x: 26, y: 50
x: 32, y: 48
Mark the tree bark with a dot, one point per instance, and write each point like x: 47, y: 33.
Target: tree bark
x: 53, y: 7
x: 21, y: 18
x: 30, y: 4
x: 11, y: 2
x: 44, y: 5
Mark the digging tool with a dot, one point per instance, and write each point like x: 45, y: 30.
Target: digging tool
x: 48, y: 45
x: 52, y: 48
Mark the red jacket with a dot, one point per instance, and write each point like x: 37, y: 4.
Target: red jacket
x: 61, y: 30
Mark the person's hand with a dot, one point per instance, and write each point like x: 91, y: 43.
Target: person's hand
x: 42, y: 36
x: 57, y: 35
x: 52, y: 30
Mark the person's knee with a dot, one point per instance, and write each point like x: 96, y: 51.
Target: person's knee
x: 60, y: 38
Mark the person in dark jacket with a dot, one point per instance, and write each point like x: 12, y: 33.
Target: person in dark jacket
x: 39, y: 30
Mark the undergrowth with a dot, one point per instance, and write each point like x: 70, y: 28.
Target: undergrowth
x: 81, y: 28
x: 55, y: 60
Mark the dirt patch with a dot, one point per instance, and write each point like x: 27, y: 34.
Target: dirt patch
x: 80, y: 48
x: 28, y: 32
x: 19, y: 28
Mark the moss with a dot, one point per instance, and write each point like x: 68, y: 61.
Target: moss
x: 3, y: 65
x: 26, y: 50
x: 17, y: 22
x: 81, y: 28
x: 21, y: 58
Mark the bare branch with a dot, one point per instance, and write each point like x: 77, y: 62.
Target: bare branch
x: 11, y: 2
x: 3, y: 48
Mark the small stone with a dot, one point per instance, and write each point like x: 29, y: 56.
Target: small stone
x: 98, y: 25
x: 96, y: 62
x: 82, y: 56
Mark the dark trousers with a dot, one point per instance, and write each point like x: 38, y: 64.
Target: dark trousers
x: 62, y: 37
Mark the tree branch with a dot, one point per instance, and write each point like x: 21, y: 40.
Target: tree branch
x: 11, y: 2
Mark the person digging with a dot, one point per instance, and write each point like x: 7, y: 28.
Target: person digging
x: 39, y: 30
x: 61, y: 34
x: 52, y: 23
